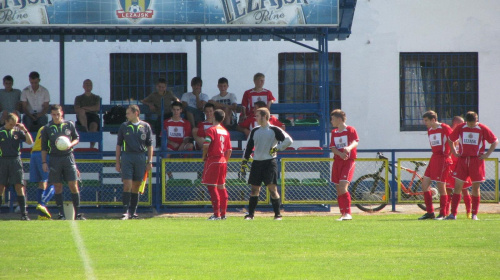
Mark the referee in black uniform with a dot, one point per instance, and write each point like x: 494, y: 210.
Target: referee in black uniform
x: 264, y: 141
x: 11, y: 167
x: 62, y: 165
x: 135, y: 138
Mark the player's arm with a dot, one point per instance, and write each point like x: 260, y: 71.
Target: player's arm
x: 227, y: 154
x: 149, y: 163
x: 75, y: 138
x: 28, y: 140
x: 206, y: 144
x: 283, y: 138
x: 349, y: 148
x: 490, y: 150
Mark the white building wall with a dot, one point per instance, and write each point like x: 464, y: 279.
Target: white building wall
x: 370, y: 61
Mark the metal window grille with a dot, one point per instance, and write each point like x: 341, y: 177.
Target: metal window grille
x: 299, y: 78
x: 446, y: 83
x: 134, y: 75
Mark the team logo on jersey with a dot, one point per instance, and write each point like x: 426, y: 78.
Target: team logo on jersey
x: 143, y: 136
x: 67, y: 132
x: 135, y: 10
x: 471, y: 138
x: 340, y: 142
x: 434, y: 137
x: 15, y: 137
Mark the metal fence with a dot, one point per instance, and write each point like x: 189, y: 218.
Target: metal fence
x: 308, y: 181
x: 100, y: 184
x: 411, y: 170
x: 181, y: 183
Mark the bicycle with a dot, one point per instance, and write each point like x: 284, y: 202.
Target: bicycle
x: 371, y: 187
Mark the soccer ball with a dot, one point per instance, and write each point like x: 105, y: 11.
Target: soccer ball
x: 62, y: 143
x: 134, y: 8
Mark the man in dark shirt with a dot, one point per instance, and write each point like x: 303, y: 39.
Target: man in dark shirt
x: 135, y: 139
x: 11, y: 167
x: 62, y: 165
x: 87, y: 108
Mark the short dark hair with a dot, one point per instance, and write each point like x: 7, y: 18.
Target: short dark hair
x: 56, y: 107
x: 8, y: 78
x: 134, y: 108
x: 258, y: 75
x: 208, y: 105
x: 219, y: 115
x: 161, y: 81
x: 338, y: 114
x: 34, y: 75
x: 196, y: 80
x: 223, y: 81
x: 177, y: 103
x: 260, y: 104
x: 431, y: 115
x: 471, y: 116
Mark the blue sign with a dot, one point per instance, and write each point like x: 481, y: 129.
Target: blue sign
x: 170, y: 12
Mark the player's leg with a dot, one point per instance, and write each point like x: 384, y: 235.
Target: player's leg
x: 70, y: 175
x: 126, y: 197
x: 223, y: 196
x: 426, y: 183
x: 255, y: 180
x: 475, y: 199
x: 271, y: 180
x: 134, y: 198
x: 467, y: 200
x: 344, y: 200
x: 443, y: 200
x: 58, y: 189
x: 455, y: 199
x: 21, y: 200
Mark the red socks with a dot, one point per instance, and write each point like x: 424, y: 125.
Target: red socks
x: 468, y: 201
x: 428, y: 202
x: 455, y: 200
x: 344, y: 201
x: 443, y: 201
x: 475, y: 204
x: 214, y: 197
x: 223, y: 201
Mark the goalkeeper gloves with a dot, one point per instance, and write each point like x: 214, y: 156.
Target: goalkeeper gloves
x: 244, y: 166
x: 273, y: 151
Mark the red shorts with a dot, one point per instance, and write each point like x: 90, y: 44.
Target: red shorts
x: 343, y: 170
x: 214, y: 172
x: 472, y: 167
x: 439, y: 168
x: 450, y: 182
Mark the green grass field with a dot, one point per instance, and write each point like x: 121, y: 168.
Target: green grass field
x: 311, y: 247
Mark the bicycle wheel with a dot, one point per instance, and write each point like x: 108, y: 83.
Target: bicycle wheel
x: 370, y: 188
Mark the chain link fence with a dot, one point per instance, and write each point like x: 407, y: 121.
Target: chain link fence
x: 181, y: 183
x: 410, y: 172
x: 100, y: 184
x: 308, y: 180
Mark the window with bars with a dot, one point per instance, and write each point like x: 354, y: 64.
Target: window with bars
x: 446, y: 83
x: 299, y: 78
x: 134, y: 75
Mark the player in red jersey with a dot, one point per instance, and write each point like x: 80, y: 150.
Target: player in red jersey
x: 343, y: 145
x: 450, y: 183
x: 438, y: 169
x: 472, y: 138
x: 258, y: 93
x: 178, y: 132
x: 199, y: 131
x: 250, y: 122
x: 216, y: 152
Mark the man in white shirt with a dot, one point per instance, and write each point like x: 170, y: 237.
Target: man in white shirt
x: 35, y: 100
x: 194, y: 102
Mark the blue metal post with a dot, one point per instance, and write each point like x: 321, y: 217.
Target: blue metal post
x: 394, y: 186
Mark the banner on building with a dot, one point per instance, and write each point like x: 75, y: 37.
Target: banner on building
x: 170, y: 12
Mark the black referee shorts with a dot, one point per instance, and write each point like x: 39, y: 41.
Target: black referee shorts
x: 263, y: 171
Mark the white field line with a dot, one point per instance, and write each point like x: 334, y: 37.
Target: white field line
x: 82, y: 251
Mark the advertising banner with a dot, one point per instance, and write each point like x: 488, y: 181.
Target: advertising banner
x: 170, y: 12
